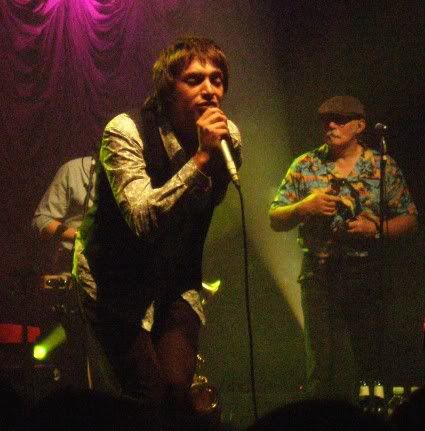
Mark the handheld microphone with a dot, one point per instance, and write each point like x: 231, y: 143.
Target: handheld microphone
x: 230, y: 164
x: 379, y: 127
x: 381, y: 130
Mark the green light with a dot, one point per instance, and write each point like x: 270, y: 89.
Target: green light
x: 212, y: 287
x: 209, y: 290
x: 39, y: 352
x: 49, y: 343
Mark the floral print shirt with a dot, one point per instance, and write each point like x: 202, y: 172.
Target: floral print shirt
x: 359, y: 192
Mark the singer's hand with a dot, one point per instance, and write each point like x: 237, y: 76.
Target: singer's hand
x: 212, y: 127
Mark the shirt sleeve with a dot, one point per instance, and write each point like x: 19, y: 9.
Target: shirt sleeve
x: 399, y: 199
x: 288, y: 192
x: 55, y: 202
x: 235, y: 136
x: 149, y: 211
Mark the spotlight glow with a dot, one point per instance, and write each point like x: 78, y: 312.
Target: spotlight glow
x: 49, y: 343
x: 209, y: 290
x: 39, y: 352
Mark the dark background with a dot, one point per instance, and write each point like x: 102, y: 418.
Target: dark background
x: 68, y: 66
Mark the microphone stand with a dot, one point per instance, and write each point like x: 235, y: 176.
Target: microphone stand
x: 382, y: 191
x: 381, y: 130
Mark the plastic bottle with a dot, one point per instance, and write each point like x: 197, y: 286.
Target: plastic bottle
x: 364, y: 397
x: 379, y: 407
x: 413, y: 389
x: 396, y: 400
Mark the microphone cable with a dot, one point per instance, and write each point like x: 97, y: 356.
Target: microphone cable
x: 248, y: 303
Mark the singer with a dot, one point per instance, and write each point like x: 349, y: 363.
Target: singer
x: 138, y: 255
x: 332, y: 193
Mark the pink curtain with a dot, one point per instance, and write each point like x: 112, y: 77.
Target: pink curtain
x: 67, y: 66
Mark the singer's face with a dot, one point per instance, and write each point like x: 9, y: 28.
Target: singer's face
x: 342, y: 131
x: 198, y: 87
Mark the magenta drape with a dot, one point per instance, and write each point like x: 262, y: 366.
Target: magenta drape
x: 67, y: 66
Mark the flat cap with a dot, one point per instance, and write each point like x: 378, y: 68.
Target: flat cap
x: 342, y: 105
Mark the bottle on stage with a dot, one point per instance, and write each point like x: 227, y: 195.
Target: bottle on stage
x: 396, y: 400
x: 379, y: 407
x: 364, y: 397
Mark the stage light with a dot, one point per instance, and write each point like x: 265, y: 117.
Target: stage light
x: 49, y: 343
x: 39, y: 352
x: 209, y: 290
x: 212, y: 287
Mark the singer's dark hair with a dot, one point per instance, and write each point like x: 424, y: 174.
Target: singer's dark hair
x: 176, y: 57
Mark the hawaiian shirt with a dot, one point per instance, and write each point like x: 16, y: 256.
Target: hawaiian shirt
x: 359, y: 192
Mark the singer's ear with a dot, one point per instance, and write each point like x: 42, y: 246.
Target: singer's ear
x: 361, y: 125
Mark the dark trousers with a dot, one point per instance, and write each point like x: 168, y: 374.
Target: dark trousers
x: 343, y: 312
x: 156, y: 368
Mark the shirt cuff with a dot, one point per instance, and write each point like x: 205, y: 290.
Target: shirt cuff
x: 193, y: 177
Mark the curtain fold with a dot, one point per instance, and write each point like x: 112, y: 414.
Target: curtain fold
x: 67, y: 67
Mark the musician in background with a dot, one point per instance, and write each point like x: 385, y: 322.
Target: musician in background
x: 57, y: 219
x: 62, y: 208
x: 332, y: 194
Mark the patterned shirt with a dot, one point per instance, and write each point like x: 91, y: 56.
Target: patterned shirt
x: 152, y: 246
x: 359, y: 193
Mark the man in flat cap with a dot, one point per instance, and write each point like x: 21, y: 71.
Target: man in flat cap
x: 333, y: 194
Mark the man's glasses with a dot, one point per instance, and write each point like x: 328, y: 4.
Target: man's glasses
x: 338, y: 118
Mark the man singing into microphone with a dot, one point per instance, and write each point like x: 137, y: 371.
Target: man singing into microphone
x: 138, y: 255
x: 333, y: 194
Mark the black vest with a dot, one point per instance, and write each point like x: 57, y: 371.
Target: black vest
x: 128, y: 271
